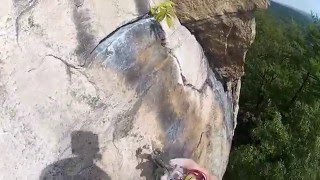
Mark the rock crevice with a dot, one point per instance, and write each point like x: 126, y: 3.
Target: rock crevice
x: 183, y: 78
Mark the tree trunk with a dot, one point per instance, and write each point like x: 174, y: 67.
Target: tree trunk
x: 296, y: 95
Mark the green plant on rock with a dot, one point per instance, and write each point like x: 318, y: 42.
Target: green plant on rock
x: 165, y: 10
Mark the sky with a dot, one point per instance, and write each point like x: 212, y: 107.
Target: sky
x: 304, y: 5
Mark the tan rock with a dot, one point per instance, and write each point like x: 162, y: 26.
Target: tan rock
x: 225, y: 29
x: 195, y: 10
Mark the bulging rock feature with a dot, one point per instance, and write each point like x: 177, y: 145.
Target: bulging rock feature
x: 166, y: 106
x: 225, y: 30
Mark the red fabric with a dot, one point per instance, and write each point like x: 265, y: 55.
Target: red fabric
x: 199, y: 175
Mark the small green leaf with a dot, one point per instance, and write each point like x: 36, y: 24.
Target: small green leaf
x: 164, y: 10
x: 153, y: 11
x: 160, y: 17
x: 169, y: 21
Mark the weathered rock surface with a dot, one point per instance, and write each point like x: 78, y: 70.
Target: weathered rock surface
x: 225, y: 29
x: 86, y: 90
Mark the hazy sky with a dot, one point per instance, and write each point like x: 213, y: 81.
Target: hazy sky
x: 304, y: 5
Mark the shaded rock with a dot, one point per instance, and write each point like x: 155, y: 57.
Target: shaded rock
x: 225, y: 29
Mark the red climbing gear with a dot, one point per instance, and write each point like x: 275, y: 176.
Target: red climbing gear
x: 194, y: 173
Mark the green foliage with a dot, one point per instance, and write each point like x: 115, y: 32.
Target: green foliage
x: 278, y: 133
x: 165, y: 10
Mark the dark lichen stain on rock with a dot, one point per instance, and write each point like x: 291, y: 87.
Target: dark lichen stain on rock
x: 134, y: 57
x: 86, y: 40
x: 138, y: 152
x: 147, y: 67
x: 78, y: 3
x: 124, y: 122
x: 142, y: 6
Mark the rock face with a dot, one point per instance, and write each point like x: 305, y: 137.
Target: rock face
x: 225, y: 29
x: 87, y: 89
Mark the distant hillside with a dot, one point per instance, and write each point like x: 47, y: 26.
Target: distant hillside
x: 287, y: 14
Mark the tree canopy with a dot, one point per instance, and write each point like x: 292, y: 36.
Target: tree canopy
x: 278, y: 133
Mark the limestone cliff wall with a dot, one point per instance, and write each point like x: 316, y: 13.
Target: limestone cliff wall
x: 88, y: 88
x: 225, y: 30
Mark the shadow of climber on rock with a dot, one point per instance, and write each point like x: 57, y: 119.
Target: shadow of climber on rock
x: 85, y: 146
x: 142, y: 6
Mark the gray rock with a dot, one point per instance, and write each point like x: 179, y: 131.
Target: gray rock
x: 166, y: 109
x: 74, y: 107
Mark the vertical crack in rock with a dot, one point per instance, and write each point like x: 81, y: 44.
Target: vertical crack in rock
x: 184, y: 80
x: 200, y: 140
x: 226, y: 43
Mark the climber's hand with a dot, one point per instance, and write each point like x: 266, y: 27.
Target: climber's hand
x: 190, y: 164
